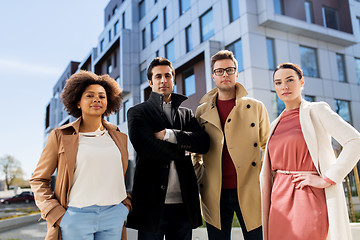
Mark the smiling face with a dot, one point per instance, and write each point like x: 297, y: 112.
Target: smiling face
x: 288, y: 87
x: 93, y: 102
x: 162, y: 81
x: 225, y: 82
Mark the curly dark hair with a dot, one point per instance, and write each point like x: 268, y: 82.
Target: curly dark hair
x: 78, y: 82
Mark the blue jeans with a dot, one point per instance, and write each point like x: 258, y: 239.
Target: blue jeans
x: 228, y: 205
x: 174, y: 225
x: 93, y: 222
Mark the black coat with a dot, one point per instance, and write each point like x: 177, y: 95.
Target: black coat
x: 154, y: 156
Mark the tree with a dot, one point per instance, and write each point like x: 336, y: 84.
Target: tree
x: 11, y: 168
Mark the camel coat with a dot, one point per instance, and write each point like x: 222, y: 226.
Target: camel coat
x: 318, y: 124
x: 245, y: 131
x: 60, y: 154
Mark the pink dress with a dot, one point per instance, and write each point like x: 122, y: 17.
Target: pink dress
x: 294, y: 214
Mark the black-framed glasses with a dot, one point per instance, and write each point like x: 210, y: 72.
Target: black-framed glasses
x: 220, y: 71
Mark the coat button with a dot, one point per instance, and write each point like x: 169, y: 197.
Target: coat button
x: 253, y: 163
x: 229, y: 120
x: 253, y: 124
x: 163, y: 187
x: 248, y: 106
x: 255, y: 144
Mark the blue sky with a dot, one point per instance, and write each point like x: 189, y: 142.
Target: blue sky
x: 38, y: 40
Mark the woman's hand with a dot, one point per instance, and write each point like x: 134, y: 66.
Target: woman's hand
x: 311, y: 180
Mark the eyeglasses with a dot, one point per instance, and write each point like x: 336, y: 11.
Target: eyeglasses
x: 220, y: 71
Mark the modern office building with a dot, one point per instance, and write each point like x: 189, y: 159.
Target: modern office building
x: 322, y: 36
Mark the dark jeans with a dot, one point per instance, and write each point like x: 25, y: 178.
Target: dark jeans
x: 174, y: 225
x: 228, y: 205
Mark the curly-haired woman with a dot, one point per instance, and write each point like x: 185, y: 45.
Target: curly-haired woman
x: 90, y: 157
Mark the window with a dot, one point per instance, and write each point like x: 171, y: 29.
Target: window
x: 154, y: 29
x: 165, y: 18
x: 206, y: 25
x: 114, y: 10
x: 110, y: 35
x: 109, y: 66
x: 118, y: 118
x: 357, y: 67
x: 234, y: 12
x: 279, y: 7
x: 115, y: 59
x: 236, y: 48
x: 157, y: 53
x: 189, y: 82
x: 123, y: 20
x: 309, y: 12
x: 184, y: 6
x: 342, y: 108
x: 188, y: 35
x: 170, y: 51
x: 309, y: 61
x: 358, y: 22
x: 341, y: 67
x: 143, y: 37
x: 126, y: 108
x: 277, y: 105
x: 155, y: 1
x: 330, y: 18
x: 310, y: 98
x: 141, y: 9
x: 116, y: 28
x: 143, y: 77
x: 101, y: 45
x: 270, y: 46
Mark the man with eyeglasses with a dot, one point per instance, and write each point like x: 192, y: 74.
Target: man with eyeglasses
x: 228, y: 174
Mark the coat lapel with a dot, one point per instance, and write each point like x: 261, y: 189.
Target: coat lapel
x: 212, y: 116
x: 309, y: 132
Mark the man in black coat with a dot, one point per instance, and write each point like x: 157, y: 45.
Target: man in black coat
x: 165, y: 196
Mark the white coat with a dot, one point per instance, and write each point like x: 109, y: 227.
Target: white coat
x: 318, y: 124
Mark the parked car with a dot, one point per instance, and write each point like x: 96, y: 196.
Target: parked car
x: 22, y: 197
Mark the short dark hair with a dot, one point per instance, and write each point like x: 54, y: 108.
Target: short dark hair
x: 159, y: 61
x: 292, y: 66
x: 223, y: 54
x: 78, y: 82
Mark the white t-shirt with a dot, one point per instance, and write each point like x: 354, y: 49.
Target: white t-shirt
x: 98, y: 177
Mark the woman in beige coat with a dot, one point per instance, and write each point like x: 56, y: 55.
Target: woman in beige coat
x: 318, y: 123
x: 90, y: 157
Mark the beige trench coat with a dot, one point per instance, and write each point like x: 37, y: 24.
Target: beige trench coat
x: 60, y: 154
x: 318, y: 124
x: 245, y: 131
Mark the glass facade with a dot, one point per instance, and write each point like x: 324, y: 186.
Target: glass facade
x: 189, y: 82
x: 236, y: 48
x: 154, y: 28
x: 277, y: 105
x: 188, y: 35
x: 279, y: 7
x: 309, y: 61
x: 141, y: 9
x: 341, y: 67
x: 165, y: 18
x: 357, y: 67
x: 125, y: 109
x: 143, y: 77
x: 116, y: 28
x: 342, y: 107
x: 234, y: 12
x: 206, y: 25
x: 310, y: 98
x: 123, y: 20
x: 170, y: 51
x: 143, y: 38
x: 330, y: 17
x: 184, y: 6
x: 309, y: 12
x: 270, y: 46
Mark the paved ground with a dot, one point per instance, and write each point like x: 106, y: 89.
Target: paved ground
x: 37, y: 231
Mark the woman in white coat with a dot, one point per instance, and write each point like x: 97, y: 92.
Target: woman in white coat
x: 301, y: 178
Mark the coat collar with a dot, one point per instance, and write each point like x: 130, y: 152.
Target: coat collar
x: 307, y: 129
x: 158, y: 100
x: 211, y: 96
x: 74, y: 127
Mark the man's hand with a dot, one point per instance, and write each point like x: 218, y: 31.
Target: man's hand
x: 160, y: 135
